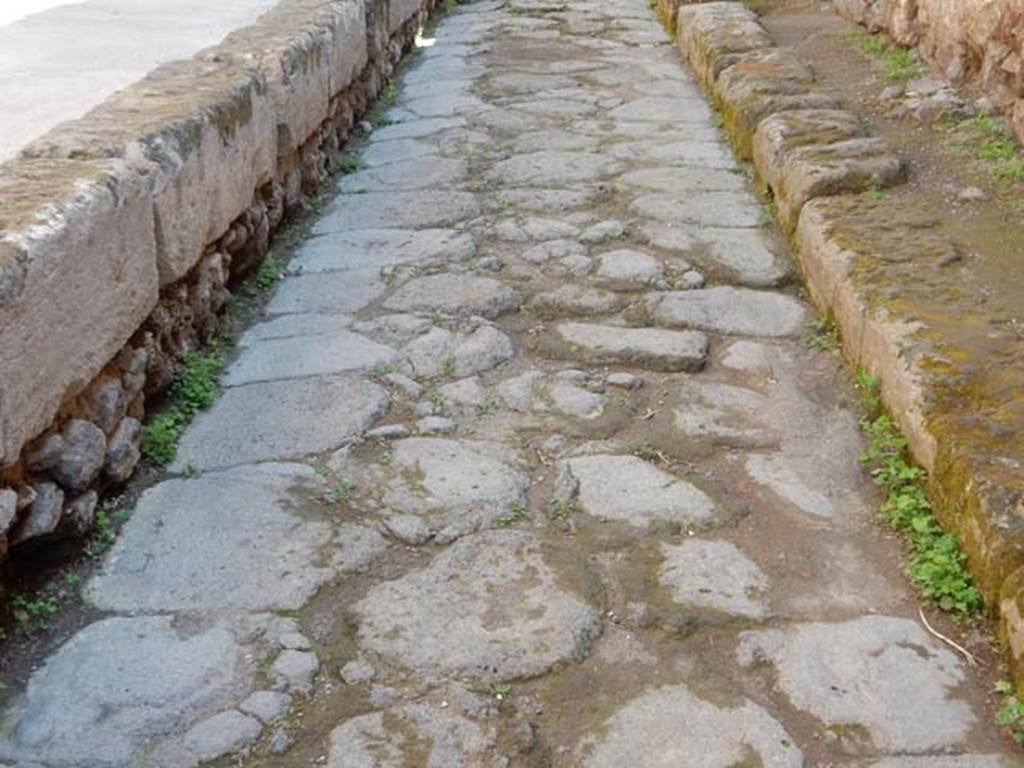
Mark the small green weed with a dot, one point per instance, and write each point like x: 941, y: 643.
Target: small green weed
x: 823, y: 333
x: 448, y: 367
x: 499, y: 690
x: 349, y: 164
x: 268, y: 273
x: 104, y: 531
x: 389, y: 93
x: 517, y: 513
x: 488, y: 407
x: 936, y: 562
x: 874, y: 192
x: 1011, y: 712
x: 893, y: 61
x: 1010, y: 170
x: 560, y: 509
x: 194, y: 390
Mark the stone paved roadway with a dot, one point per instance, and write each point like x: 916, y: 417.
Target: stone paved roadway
x: 528, y: 465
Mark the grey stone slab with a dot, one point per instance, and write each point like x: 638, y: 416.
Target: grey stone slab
x: 653, y: 348
x: 402, y: 210
x: 723, y: 413
x: 713, y: 574
x: 630, y: 489
x: 688, y: 179
x: 267, y: 706
x: 628, y: 266
x: 429, y: 172
x: 725, y: 309
x: 554, y: 168
x: 709, y: 209
x: 454, y: 294
x: 384, y: 153
x: 224, y: 541
x: 364, y: 249
x: 119, y: 686
x: 669, y: 726
x: 222, y: 734
x: 333, y: 292
x: 661, y: 109
x: 293, y: 326
x: 414, y: 734
x: 572, y: 400
x: 857, y: 677
x: 751, y: 256
x: 571, y: 299
x: 280, y: 420
x: 489, y: 606
x: 947, y: 761
x: 271, y: 359
x: 419, y: 128
x: 458, y: 486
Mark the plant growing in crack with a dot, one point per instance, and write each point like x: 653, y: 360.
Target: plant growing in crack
x: 517, y: 512
x: 1011, y: 711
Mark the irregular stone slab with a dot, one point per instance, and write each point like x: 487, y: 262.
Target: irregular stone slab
x: 554, y: 168
x: 381, y: 247
x: 439, y: 351
x: 458, y: 485
x: 331, y: 293
x: 749, y: 256
x: 949, y: 761
x: 415, y: 734
x: 572, y: 299
x: 723, y: 413
x: 777, y: 473
x: 630, y: 489
x: 575, y: 401
x: 666, y: 110
x: 280, y: 420
x: 402, y: 210
x: 224, y: 541
x: 419, y: 128
x: 669, y: 727
x: 454, y: 294
x: 713, y: 574
x: 629, y: 267
x: 489, y: 606
x: 429, y: 172
x: 383, y: 153
x: 222, y: 734
x: 864, y: 672
x: 711, y: 209
x: 119, y: 686
x: 697, y: 180
x: 652, y: 348
x: 725, y: 309
x: 270, y: 359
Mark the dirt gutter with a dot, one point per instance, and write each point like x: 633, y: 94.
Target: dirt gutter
x: 951, y: 362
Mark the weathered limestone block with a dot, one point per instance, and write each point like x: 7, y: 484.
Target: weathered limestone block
x: 77, y: 251
x: 203, y: 133
x: 714, y: 35
x: 803, y: 154
x: 307, y: 51
x: 762, y: 83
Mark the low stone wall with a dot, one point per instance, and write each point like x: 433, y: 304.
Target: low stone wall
x: 949, y: 367
x: 121, y: 232
x: 977, y: 40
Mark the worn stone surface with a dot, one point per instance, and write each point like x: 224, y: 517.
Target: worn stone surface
x: 713, y: 574
x: 730, y: 310
x: 455, y: 294
x: 280, y: 420
x: 667, y: 725
x: 628, y: 488
x: 117, y: 685
x: 224, y: 541
x: 860, y: 674
x: 652, y: 348
x: 488, y: 605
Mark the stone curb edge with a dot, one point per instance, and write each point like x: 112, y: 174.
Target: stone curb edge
x: 120, y: 230
x: 813, y: 158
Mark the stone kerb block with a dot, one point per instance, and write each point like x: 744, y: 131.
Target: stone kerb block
x: 308, y: 51
x: 713, y: 35
x: 78, y: 275
x: 201, y: 133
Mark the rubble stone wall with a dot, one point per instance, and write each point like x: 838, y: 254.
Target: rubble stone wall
x: 969, y: 40
x: 121, y: 232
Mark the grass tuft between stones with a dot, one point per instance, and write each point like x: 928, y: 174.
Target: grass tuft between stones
x: 892, y: 60
x: 936, y: 563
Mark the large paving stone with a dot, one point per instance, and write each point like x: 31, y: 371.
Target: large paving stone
x: 722, y: 413
x: 454, y: 294
x: 429, y: 172
x: 269, y: 358
x: 402, y: 210
x: 725, y: 309
x: 119, y: 687
x: 630, y: 489
x: 858, y: 676
x: 749, y: 256
x: 439, y: 349
x: 224, y: 541
x: 669, y: 727
x: 709, y: 209
x: 457, y: 486
x: 330, y: 293
x: 414, y: 734
x: 713, y: 574
x: 666, y: 110
x: 554, y: 168
x: 949, y: 761
x: 490, y: 607
x: 280, y: 420
x: 365, y: 248
x: 652, y: 348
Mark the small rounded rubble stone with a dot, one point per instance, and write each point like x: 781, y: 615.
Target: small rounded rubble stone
x: 222, y: 734
x: 295, y: 670
x: 43, y: 515
x: 123, y: 451
x: 266, y: 706
x: 85, y: 448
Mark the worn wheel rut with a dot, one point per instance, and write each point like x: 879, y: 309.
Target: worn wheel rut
x: 528, y: 464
